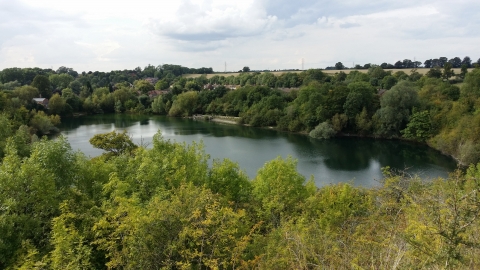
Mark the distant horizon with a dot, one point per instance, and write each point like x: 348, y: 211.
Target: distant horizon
x: 229, y: 71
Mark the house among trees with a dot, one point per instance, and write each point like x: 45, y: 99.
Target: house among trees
x: 232, y: 87
x: 155, y: 93
x: 209, y: 86
x: 41, y: 101
x: 151, y: 80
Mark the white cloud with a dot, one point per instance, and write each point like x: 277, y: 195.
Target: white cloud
x: 263, y: 34
x: 17, y: 56
x: 211, y: 21
x: 101, y: 50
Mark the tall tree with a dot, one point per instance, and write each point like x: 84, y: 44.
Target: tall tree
x: 279, y: 188
x: 467, y: 61
x: 56, y: 104
x: 360, y: 95
x: 26, y: 93
x: 456, y: 62
x: 396, y: 105
x: 114, y: 143
x: 447, y: 71
x: 339, y: 66
x: 442, y: 61
x: 11, y: 74
x: 42, y: 83
x: 407, y: 63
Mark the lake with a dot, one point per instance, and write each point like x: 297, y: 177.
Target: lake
x: 355, y: 160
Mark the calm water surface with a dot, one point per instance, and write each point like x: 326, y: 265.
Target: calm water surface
x: 354, y: 160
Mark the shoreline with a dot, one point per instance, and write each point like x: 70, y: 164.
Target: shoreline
x: 231, y: 120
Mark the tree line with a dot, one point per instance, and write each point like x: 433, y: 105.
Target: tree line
x: 440, y: 62
x: 434, y: 108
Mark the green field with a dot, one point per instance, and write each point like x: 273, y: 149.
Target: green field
x: 422, y: 71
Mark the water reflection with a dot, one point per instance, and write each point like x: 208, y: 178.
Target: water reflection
x: 330, y: 161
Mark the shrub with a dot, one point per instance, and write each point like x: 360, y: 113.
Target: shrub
x: 323, y: 131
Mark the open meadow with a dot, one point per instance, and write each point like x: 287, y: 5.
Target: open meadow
x: 422, y: 71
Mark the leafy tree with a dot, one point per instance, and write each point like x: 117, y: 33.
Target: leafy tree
x: 442, y: 61
x: 10, y: 85
x: 419, y: 127
x: 400, y: 75
x: 407, y: 63
x: 360, y: 96
x: 159, y: 106
x: 184, y: 104
x: 447, y: 71
x: 71, y: 250
x: 323, y: 131
x: 114, y: 143
x: 42, y: 83
x: 123, y: 95
x: 399, y: 64
x: 56, y: 104
x: 434, y: 73
x: 76, y: 86
x: 471, y: 85
x: 377, y: 72
x: 280, y: 189
x: 339, y: 121
x: 29, y: 192
x: 428, y: 63
x: 227, y: 179
x: 5, y: 132
x: 149, y: 71
x: 43, y: 124
x: 11, y: 74
x: 26, y: 94
x: 396, y: 105
x: 339, y: 66
x: 192, y: 86
x: 72, y: 99
x: 357, y: 76
x: 60, y: 81
x: 456, y: 62
x: 463, y: 71
x: 69, y: 71
x: 467, y: 61
x: 144, y: 86
x: 440, y: 221
x: 363, y: 123
x: 119, y: 106
x: 388, y: 82
x: 161, y: 85
x: 246, y: 69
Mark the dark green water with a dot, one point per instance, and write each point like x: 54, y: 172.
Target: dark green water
x: 354, y: 160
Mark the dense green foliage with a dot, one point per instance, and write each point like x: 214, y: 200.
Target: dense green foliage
x: 166, y: 208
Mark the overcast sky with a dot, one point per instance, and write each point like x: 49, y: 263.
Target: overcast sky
x: 92, y: 35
